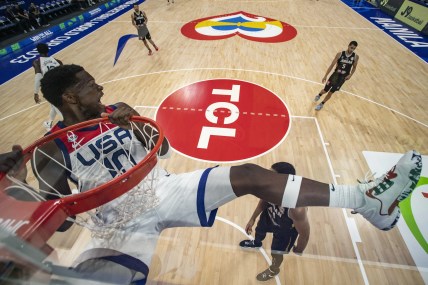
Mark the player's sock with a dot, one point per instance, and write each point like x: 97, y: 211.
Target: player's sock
x: 345, y: 196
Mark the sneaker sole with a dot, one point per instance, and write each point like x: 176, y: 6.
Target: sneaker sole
x: 249, y: 248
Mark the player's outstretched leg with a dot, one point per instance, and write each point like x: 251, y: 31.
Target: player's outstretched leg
x: 376, y: 201
x: 383, y: 195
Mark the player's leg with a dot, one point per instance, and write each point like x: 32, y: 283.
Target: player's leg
x: 58, y: 112
x: 52, y: 114
x: 260, y: 233
x: 149, y: 38
x: 377, y: 201
x: 327, y: 87
x: 282, y: 243
x: 154, y: 45
x: 272, y: 270
x: 328, y: 96
x: 322, y: 92
x: 336, y: 83
x: 321, y: 105
x: 147, y: 46
x: 119, y: 268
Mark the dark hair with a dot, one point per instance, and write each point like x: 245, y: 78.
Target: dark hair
x: 353, y: 43
x: 57, y: 80
x: 43, y: 48
x: 284, y: 168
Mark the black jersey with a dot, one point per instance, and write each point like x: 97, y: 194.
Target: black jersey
x: 344, y: 63
x: 139, y: 18
x: 277, y: 216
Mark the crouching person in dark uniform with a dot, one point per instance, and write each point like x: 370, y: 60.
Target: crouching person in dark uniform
x: 287, y: 226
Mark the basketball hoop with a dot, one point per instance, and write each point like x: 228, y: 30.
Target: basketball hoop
x: 40, y: 219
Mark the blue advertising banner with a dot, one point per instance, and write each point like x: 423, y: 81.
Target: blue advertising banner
x: 413, y: 40
x: 17, y: 58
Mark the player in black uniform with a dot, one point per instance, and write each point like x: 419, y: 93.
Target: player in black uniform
x: 285, y: 224
x: 139, y: 21
x: 346, y: 64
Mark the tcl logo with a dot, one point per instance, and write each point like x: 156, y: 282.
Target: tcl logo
x: 223, y: 120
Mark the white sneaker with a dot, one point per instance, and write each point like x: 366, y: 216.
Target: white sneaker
x: 47, y: 125
x: 383, y: 195
x: 319, y: 106
x: 317, y: 98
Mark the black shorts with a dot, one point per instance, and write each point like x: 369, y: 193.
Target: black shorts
x: 335, y: 81
x: 283, y: 239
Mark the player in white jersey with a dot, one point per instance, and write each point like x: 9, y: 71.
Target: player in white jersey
x: 187, y: 199
x: 42, y: 65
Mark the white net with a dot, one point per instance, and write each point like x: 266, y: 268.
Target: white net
x: 92, y: 158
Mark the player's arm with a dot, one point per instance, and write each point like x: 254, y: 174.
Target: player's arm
x: 133, y: 20
x: 37, y: 78
x: 11, y: 161
x: 145, y: 18
x: 49, y: 163
x: 354, y: 67
x: 257, y: 211
x: 301, y: 223
x: 147, y: 135
x: 333, y: 63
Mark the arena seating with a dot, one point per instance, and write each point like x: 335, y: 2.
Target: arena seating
x: 50, y: 10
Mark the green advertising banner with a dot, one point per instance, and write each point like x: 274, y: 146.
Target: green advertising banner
x: 412, y: 14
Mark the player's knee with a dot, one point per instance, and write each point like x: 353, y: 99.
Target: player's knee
x: 248, y: 178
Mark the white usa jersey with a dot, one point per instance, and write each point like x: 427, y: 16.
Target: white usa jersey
x: 47, y: 63
x: 95, y: 155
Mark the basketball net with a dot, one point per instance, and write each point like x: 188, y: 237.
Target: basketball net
x: 117, y: 214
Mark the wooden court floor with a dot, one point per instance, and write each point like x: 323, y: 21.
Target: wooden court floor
x: 382, y: 108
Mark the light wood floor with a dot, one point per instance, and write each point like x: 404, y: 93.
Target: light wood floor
x: 382, y: 108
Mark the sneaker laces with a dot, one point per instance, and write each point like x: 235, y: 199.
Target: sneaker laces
x: 368, y: 177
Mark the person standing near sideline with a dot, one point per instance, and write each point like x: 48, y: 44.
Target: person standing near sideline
x: 139, y: 21
x: 287, y: 226
x: 42, y: 65
x: 346, y: 64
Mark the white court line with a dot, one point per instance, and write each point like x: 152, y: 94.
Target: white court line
x: 350, y: 223
x: 269, y: 73
x: 294, y: 25
x: 261, y: 249
x: 351, y: 230
x: 315, y: 256
x: 370, y: 8
x: 23, y: 110
x: 386, y: 107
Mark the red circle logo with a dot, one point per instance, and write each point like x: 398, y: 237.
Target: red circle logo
x: 223, y: 120
x: 245, y: 25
